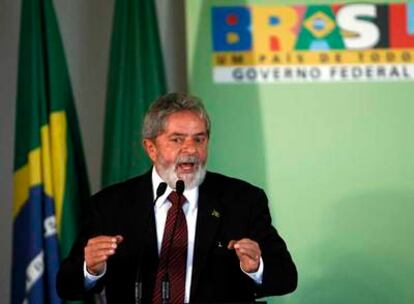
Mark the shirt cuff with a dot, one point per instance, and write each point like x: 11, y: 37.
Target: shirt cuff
x: 257, y: 276
x: 90, y: 279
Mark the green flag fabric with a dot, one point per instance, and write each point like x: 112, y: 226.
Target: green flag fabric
x: 136, y: 78
x: 50, y: 177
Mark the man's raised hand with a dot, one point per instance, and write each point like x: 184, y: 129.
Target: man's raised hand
x: 248, y: 252
x: 98, y: 250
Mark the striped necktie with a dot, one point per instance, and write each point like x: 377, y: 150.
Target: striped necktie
x: 173, y: 257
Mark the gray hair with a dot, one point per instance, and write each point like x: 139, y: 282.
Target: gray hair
x: 156, y: 117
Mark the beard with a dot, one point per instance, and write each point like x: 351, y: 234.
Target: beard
x: 191, y: 180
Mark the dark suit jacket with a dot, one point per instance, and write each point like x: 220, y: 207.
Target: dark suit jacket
x: 228, y: 209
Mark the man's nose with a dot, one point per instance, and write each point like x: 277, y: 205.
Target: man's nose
x: 189, y: 146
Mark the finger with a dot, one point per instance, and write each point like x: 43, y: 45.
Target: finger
x: 247, y: 255
x: 101, y: 246
x: 91, y: 256
x: 97, y: 260
x: 231, y: 244
x: 97, y: 266
x: 247, y: 242
x: 97, y: 250
x: 248, y: 248
x: 101, y: 243
x: 96, y: 253
x: 243, y: 243
x: 102, y: 239
x: 119, y: 238
x: 251, y: 251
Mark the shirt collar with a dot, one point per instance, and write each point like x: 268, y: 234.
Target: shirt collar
x: 191, y: 195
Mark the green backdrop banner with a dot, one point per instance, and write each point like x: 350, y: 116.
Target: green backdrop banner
x: 336, y: 157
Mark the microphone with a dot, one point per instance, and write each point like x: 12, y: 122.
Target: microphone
x: 165, y: 283
x: 138, y: 280
x: 179, y: 187
x: 160, y: 191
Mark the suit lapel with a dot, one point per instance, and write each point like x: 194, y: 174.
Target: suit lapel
x: 208, y: 220
x: 145, y: 227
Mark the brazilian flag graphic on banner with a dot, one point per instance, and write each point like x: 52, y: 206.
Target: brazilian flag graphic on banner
x: 50, y: 178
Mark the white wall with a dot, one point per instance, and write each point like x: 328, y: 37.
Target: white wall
x: 85, y: 28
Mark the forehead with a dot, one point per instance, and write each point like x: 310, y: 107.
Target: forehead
x: 185, y: 122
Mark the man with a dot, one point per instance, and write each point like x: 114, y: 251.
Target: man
x: 212, y: 243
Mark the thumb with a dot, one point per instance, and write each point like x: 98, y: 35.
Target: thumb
x: 231, y: 244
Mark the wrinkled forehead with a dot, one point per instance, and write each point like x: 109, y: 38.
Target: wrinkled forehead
x: 185, y: 121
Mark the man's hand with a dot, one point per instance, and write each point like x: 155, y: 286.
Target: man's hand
x: 248, y: 252
x: 98, y: 250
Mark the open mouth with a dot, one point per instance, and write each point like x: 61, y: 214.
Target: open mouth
x: 187, y: 166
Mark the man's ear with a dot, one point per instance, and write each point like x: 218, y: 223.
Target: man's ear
x: 150, y: 148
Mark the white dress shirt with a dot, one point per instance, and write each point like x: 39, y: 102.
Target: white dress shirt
x: 190, y: 208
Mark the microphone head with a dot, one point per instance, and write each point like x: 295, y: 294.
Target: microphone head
x: 179, y: 187
x: 161, y: 189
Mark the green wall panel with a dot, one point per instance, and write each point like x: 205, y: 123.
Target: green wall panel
x: 337, y: 162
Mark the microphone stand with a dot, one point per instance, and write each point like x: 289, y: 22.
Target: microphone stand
x: 138, y: 280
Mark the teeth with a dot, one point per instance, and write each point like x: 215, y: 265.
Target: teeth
x: 187, y: 165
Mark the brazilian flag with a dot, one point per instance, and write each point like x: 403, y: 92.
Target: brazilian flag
x: 50, y: 178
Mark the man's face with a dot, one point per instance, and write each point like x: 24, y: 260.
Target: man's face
x: 180, y: 151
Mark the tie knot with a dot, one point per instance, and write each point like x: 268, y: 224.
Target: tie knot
x: 176, y: 199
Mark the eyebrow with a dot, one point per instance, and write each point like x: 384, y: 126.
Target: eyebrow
x: 184, y: 134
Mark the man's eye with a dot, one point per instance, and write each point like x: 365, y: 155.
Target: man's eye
x: 176, y: 139
x: 200, y: 139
